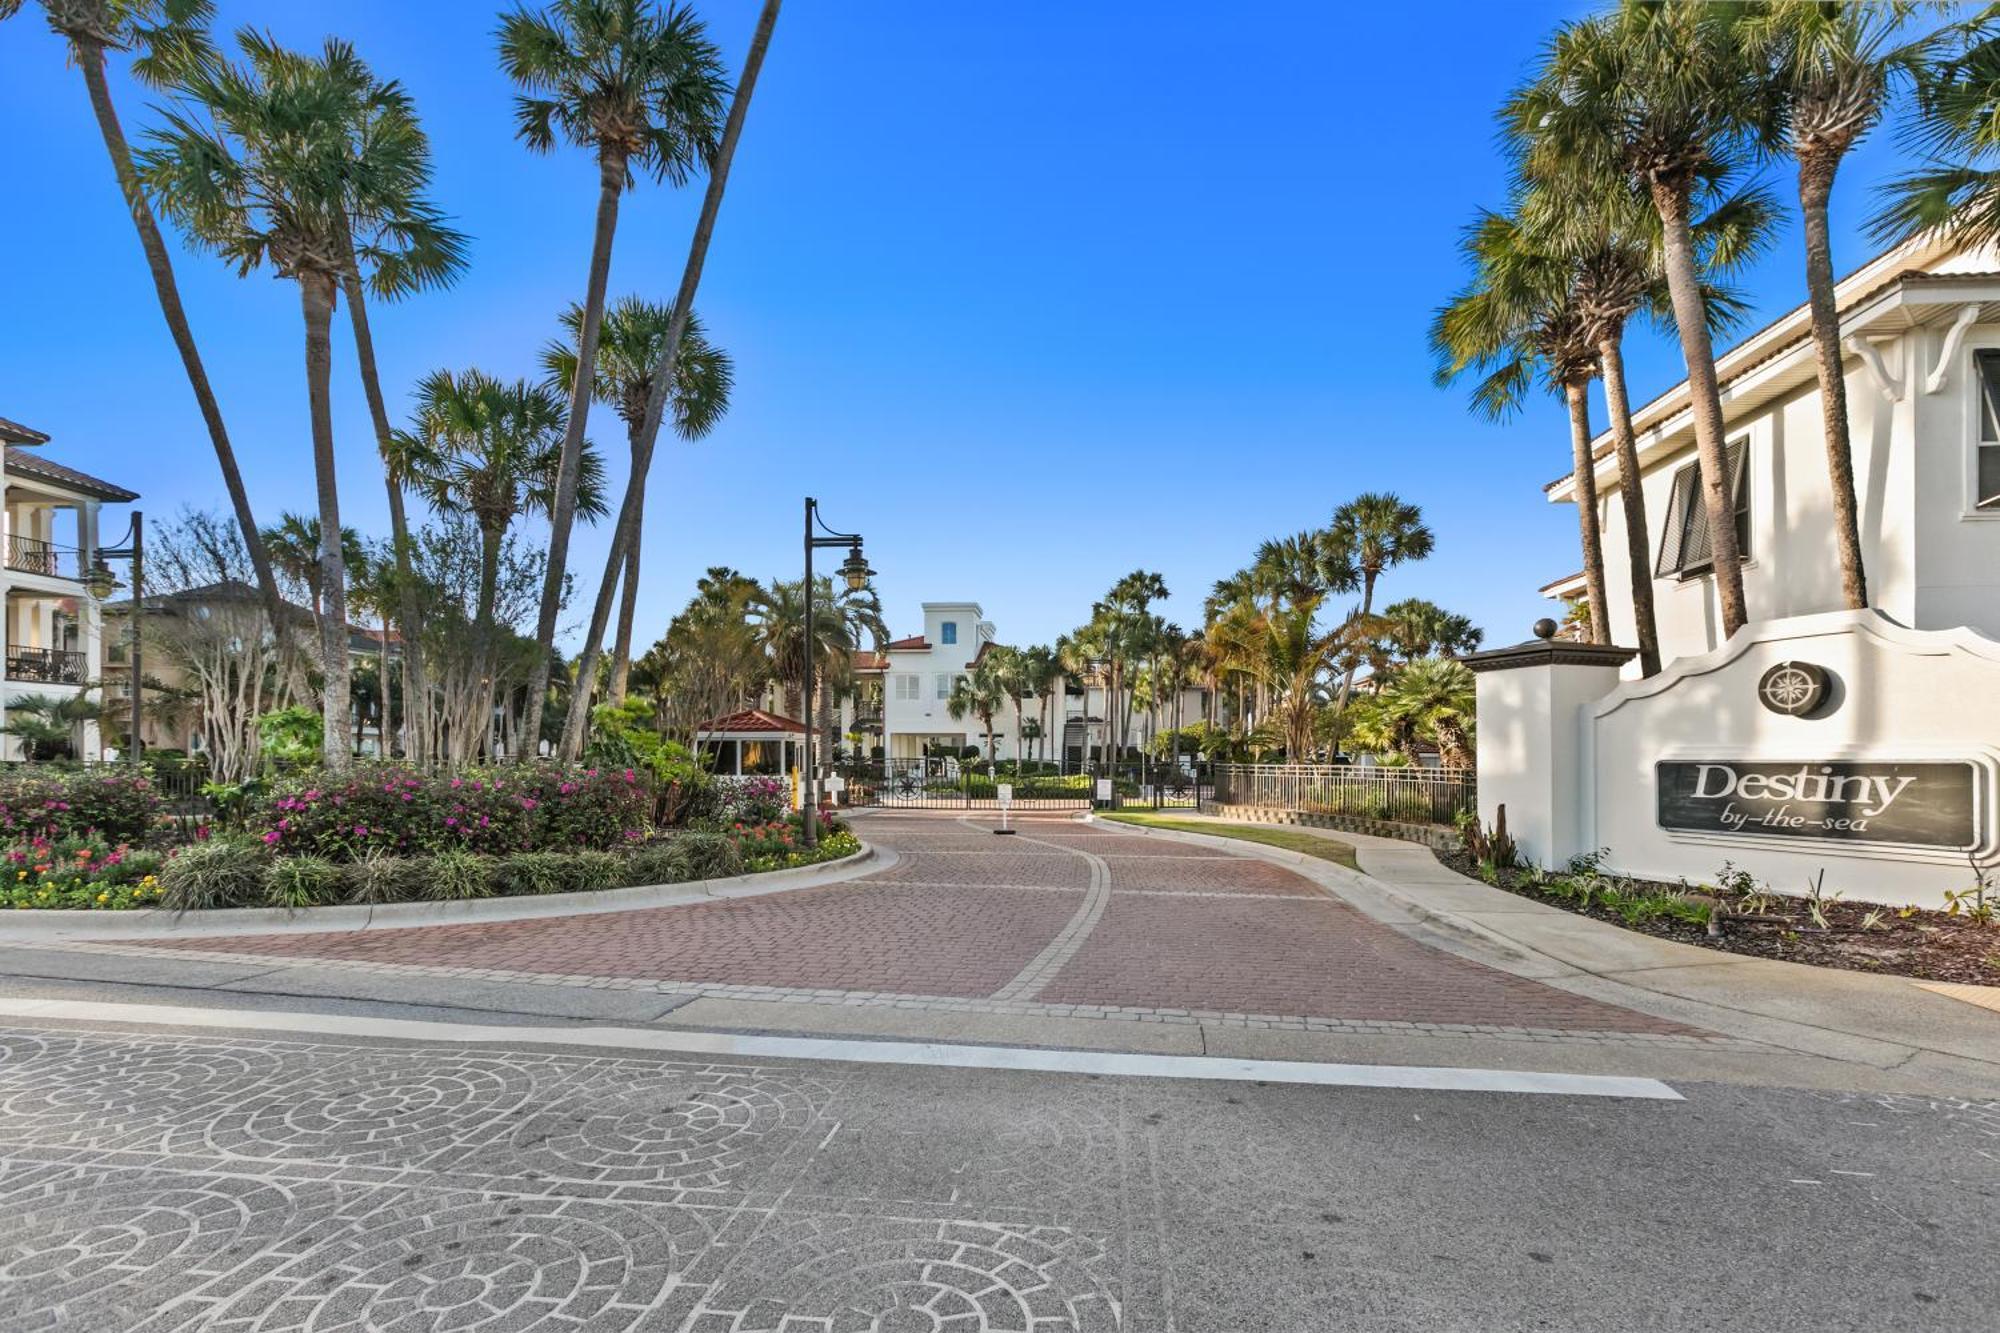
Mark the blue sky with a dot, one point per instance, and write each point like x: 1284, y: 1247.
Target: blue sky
x: 1030, y: 294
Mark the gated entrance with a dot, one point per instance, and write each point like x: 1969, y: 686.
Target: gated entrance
x: 946, y: 784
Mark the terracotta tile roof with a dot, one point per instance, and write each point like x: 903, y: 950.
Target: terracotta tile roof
x: 867, y: 661
x: 13, y: 432
x: 753, y: 720
x: 915, y: 643
x: 33, y: 465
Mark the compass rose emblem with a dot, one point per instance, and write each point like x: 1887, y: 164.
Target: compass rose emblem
x: 1794, y: 689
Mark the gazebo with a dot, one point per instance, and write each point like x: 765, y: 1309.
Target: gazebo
x: 751, y: 742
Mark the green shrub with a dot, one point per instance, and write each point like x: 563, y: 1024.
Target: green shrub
x: 116, y: 805
x: 591, y: 871
x: 532, y: 872
x: 656, y: 863
x: 221, y: 872
x: 378, y: 878
x: 705, y: 856
x: 454, y: 875
x: 302, y: 881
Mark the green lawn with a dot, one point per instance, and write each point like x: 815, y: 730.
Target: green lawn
x: 1292, y: 840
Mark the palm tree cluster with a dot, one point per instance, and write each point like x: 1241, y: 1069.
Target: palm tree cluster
x: 1647, y: 150
x: 310, y: 166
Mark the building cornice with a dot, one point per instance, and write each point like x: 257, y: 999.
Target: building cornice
x: 1548, y: 652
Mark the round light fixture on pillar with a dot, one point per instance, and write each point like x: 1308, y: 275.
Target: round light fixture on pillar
x: 100, y: 580
x: 855, y: 569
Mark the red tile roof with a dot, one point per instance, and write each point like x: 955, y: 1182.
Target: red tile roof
x: 916, y: 642
x: 867, y: 661
x: 753, y: 720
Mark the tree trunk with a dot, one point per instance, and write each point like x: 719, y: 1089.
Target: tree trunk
x: 90, y: 59
x: 562, y: 512
x: 1368, y: 577
x: 1611, y: 358
x: 1705, y: 400
x: 489, y: 581
x: 316, y: 294
x: 628, y: 607
x: 1816, y: 171
x: 1576, y: 394
x: 665, y: 376
x: 416, y: 691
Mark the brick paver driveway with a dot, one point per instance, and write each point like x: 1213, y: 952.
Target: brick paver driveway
x: 1066, y: 918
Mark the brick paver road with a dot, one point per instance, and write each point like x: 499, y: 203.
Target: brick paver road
x: 1065, y: 914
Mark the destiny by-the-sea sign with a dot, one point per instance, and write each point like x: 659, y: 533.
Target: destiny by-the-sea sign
x: 1927, y: 804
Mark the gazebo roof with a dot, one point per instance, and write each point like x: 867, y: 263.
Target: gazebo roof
x: 751, y: 722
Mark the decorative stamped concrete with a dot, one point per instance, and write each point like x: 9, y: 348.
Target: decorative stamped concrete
x: 1066, y: 918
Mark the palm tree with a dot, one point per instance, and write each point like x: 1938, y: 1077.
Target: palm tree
x: 1434, y: 697
x: 642, y: 88
x: 1660, y: 95
x: 777, y: 612
x: 45, y: 724
x: 1041, y: 673
x: 1418, y: 628
x: 630, y: 340
x: 1832, y: 70
x: 980, y: 692
x: 1375, y: 532
x: 294, y: 546
x: 170, y: 35
x: 393, y: 250
x: 1957, y: 130
x: 627, y: 531
x: 493, y: 450
x: 258, y: 163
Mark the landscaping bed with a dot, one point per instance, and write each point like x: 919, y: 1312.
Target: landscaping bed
x: 1860, y: 937
x: 1326, y: 849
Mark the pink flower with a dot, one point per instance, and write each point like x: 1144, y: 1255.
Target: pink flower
x: 360, y: 830
x: 271, y: 837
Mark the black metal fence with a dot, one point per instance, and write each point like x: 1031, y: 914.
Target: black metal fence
x: 1406, y: 795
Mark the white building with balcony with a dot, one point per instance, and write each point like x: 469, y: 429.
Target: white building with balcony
x: 53, y: 623
x: 903, y: 701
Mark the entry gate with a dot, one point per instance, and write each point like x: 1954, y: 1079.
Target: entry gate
x: 944, y: 784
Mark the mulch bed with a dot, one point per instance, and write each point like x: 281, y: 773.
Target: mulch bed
x: 1928, y: 945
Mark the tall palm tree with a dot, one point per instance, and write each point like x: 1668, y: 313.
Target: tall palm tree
x: 1831, y: 69
x: 641, y: 87
x: 398, y: 247
x: 1375, y: 532
x: 1041, y: 673
x: 627, y: 530
x: 1957, y: 130
x: 980, y: 692
x: 841, y: 621
x: 257, y: 162
x: 1662, y: 95
x: 1419, y: 628
x: 491, y: 449
x: 630, y: 340
x: 293, y: 542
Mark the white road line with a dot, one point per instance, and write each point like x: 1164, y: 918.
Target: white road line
x: 1422, y: 1077
x: 1042, y: 968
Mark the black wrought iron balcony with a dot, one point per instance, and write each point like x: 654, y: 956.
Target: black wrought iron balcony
x: 32, y: 555
x: 47, y: 666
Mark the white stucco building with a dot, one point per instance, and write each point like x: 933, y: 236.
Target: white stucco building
x: 53, y: 622
x: 903, y: 701
x: 1921, y: 324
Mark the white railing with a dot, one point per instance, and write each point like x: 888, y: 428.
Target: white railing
x: 1407, y: 795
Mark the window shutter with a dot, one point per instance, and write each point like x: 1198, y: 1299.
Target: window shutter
x: 1738, y: 462
x: 1673, y: 533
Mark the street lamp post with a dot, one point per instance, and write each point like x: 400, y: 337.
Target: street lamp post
x: 855, y: 570
x: 101, y: 583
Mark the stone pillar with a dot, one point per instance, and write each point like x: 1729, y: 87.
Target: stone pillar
x: 1531, y: 750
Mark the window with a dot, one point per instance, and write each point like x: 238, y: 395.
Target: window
x: 1685, y: 548
x: 1986, y: 465
x: 944, y: 685
x: 948, y: 632
x: 906, y: 687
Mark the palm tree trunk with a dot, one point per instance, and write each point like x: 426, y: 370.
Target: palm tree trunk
x: 1631, y: 495
x: 1576, y: 394
x: 416, y: 691
x: 628, y: 607
x: 656, y: 404
x: 1368, y: 577
x: 1705, y: 399
x: 1816, y: 171
x: 562, y: 511
x: 483, y: 631
x: 316, y: 296
x: 90, y: 59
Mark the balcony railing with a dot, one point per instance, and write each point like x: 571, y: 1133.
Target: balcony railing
x: 48, y: 666
x: 32, y: 555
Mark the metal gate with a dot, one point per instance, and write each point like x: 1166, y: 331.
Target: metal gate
x: 948, y: 784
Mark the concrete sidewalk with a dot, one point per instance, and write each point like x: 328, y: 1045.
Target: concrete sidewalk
x: 1885, y: 1023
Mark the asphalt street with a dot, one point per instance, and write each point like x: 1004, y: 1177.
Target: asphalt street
x: 161, y: 1179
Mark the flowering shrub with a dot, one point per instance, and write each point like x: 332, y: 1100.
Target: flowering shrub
x: 776, y: 844
x: 81, y: 873
x: 751, y: 800
x: 396, y: 812
x: 118, y: 805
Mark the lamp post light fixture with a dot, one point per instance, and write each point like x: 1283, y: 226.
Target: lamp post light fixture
x: 100, y: 582
x: 856, y: 572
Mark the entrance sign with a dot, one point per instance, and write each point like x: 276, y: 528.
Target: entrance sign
x: 1104, y: 789
x: 1006, y: 790
x: 1902, y: 804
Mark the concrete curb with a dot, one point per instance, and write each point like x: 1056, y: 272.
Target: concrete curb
x: 29, y: 927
